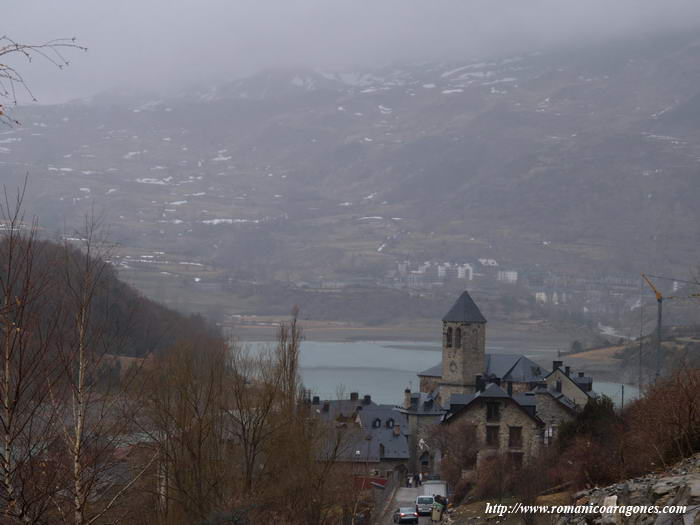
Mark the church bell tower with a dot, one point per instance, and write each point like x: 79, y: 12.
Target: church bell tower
x: 463, y: 347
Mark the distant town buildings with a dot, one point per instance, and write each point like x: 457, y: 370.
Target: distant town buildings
x: 607, y: 295
x: 429, y: 274
x: 508, y: 276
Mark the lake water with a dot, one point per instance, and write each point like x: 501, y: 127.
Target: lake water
x: 383, y: 369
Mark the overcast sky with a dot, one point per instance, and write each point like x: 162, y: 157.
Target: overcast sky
x: 156, y: 44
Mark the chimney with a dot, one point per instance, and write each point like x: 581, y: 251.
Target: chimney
x: 510, y: 388
x: 556, y: 364
x: 580, y: 374
x: 407, y: 398
x: 367, y: 400
x: 326, y: 406
x: 316, y: 400
x: 354, y: 396
x: 567, y: 371
x: 479, y: 384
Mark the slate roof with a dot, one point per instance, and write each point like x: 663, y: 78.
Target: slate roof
x: 514, y: 367
x: 561, y: 398
x: 435, y: 371
x: 423, y: 403
x: 330, y: 410
x: 508, y: 367
x: 369, y: 440
x: 492, y: 390
x: 464, y: 310
x: 583, y: 380
x: 527, y: 403
x: 527, y: 400
x: 395, y: 446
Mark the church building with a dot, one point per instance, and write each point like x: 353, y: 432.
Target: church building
x: 514, y: 404
x: 465, y: 365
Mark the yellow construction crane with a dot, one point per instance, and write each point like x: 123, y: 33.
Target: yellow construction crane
x: 659, y: 313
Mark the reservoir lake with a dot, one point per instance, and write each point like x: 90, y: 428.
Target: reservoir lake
x: 383, y: 369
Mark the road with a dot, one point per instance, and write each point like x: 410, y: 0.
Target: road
x: 405, y: 497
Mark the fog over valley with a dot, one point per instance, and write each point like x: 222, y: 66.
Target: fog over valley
x: 335, y: 262
x: 167, y: 46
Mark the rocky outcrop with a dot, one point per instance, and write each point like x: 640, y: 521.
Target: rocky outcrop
x: 679, y: 485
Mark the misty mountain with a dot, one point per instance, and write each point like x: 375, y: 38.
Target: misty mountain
x: 582, y: 159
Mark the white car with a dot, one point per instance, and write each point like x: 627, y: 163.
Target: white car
x: 424, y: 505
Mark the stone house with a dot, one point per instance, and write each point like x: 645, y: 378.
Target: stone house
x: 502, y: 424
x: 422, y: 411
x: 553, y: 408
x: 578, y: 388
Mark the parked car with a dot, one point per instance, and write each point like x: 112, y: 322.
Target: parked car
x: 424, y: 505
x: 406, y: 515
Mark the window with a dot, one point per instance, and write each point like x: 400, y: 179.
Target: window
x: 377, y: 423
x: 492, y: 411
x: 458, y: 338
x: 390, y: 423
x: 492, y: 436
x: 515, y: 437
x: 448, y: 338
x: 381, y: 452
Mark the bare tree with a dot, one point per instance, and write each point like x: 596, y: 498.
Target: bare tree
x: 307, y: 452
x: 12, y: 80
x: 252, y: 407
x: 96, y: 418
x: 236, y: 435
x: 26, y: 372
x: 458, y: 444
x: 187, y: 427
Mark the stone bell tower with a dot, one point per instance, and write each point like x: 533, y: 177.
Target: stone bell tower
x: 463, y: 347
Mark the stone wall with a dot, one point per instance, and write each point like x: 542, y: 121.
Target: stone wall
x: 511, y: 415
x: 428, y: 384
x: 420, y: 427
x: 568, y: 387
x: 552, y: 412
x: 461, y: 364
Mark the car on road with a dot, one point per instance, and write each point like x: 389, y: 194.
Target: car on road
x: 424, y: 505
x: 405, y: 515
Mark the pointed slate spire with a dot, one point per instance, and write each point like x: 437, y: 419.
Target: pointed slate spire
x: 464, y: 310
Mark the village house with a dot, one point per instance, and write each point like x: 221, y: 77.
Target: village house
x: 501, y: 423
x: 377, y: 435
x: 422, y: 411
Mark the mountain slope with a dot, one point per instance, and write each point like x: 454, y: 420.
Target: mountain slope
x: 576, y: 159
